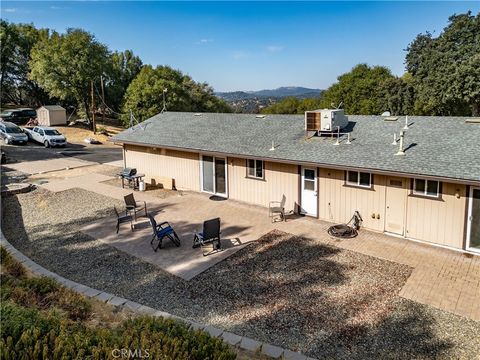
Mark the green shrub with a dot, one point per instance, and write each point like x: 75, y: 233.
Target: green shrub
x: 40, y: 285
x: 18, y: 319
x: 28, y: 333
x: 76, y: 305
x: 15, y: 268
x: 5, y: 256
x: 31, y: 329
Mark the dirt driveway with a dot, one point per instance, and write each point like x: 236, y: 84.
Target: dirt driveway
x: 34, y: 152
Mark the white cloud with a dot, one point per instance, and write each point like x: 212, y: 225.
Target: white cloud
x: 58, y: 8
x: 10, y: 10
x: 274, y: 48
x: 237, y: 55
x: 205, y: 41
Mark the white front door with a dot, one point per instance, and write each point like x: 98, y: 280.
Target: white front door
x: 395, y: 202
x: 309, y: 198
x: 473, y: 224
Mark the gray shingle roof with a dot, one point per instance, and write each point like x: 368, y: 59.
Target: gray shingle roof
x: 445, y: 147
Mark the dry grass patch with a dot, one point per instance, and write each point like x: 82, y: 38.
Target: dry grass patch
x: 77, y: 134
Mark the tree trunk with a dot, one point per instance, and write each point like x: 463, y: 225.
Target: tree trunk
x: 475, y: 109
x: 87, y: 110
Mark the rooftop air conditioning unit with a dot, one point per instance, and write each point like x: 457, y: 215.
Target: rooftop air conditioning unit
x: 326, y: 120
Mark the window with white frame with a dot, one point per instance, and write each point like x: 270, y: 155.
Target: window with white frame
x: 359, y: 179
x: 255, y: 169
x: 423, y: 187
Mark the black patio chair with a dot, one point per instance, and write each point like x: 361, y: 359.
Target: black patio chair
x: 160, y: 231
x: 123, y: 219
x: 135, y: 206
x: 209, y: 235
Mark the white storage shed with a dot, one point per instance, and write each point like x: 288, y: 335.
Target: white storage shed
x: 49, y: 115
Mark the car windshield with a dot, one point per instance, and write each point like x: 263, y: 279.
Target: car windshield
x: 52, y: 132
x: 13, y: 130
x: 31, y: 113
x: 6, y: 113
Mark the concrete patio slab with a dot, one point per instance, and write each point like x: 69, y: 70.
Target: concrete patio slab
x: 186, y: 216
x: 48, y: 165
x: 86, y: 181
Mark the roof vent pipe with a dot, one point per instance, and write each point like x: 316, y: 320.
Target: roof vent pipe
x: 338, y: 136
x: 348, y: 139
x: 406, y: 123
x: 273, y: 146
x: 401, y: 152
x: 394, y: 139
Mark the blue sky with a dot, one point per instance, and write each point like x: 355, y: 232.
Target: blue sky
x: 250, y: 45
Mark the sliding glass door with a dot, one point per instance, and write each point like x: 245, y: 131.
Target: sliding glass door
x: 220, y: 176
x: 214, y: 175
x: 473, y: 224
x: 207, y: 162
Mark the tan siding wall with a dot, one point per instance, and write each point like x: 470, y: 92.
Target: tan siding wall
x: 182, y: 166
x: 280, y: 179
x: 438, y: 221
x: 57, y: 117
x: 42, y: 117
x: 339, y: 202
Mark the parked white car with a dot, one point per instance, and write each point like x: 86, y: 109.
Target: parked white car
x: 11, y: 133
x: 48, y: 136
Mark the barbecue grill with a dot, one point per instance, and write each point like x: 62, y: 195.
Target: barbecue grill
x: 130, y: 174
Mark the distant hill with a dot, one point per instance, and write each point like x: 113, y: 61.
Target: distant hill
x: 287, y: 91
x: 254, y: 101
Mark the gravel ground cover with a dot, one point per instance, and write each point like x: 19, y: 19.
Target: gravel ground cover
x: 293, y: 292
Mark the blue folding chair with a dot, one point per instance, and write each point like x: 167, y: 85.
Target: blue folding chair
x: 161, y: 231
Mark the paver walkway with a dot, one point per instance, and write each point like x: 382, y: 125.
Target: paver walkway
x: 443, y: 278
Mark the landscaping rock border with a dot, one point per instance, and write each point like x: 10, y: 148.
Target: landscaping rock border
x: 16, y: 188
x: 243, y: 342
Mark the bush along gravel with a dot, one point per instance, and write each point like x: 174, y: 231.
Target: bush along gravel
x: 43, y: 320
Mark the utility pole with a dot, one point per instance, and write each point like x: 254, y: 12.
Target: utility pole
x: 164, y: 105
x: 103, y: 99
x: 93, y: 109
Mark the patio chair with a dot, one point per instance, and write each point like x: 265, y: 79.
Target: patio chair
x: 123, y: 219
x: 160, y: 231
x: 277, y: 209
x: 135, y: 206
x: 209, y: 235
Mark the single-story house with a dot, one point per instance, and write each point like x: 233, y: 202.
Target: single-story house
x: 49, y: 115
x: 427, y: 190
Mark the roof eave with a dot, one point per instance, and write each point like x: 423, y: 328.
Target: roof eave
x: 304, y: 163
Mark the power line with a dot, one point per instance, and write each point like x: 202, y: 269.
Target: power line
x: 108, y: 107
